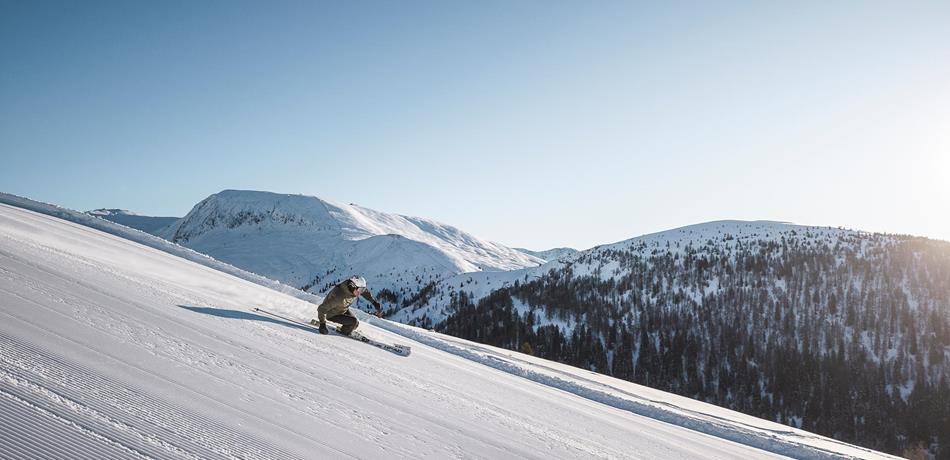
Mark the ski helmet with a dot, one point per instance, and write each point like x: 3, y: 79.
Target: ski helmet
x: 358, y: 281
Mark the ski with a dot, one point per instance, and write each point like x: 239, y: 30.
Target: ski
x: 402, y: 350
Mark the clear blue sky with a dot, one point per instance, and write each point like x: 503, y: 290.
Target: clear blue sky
x: 534, y: 124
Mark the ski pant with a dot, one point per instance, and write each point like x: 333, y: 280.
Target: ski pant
x: 347, y: 322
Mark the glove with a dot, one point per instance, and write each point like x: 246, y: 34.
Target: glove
x: 323, y: 328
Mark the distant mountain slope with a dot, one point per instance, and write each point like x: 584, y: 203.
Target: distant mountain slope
x: 842, y: 332
x: 146, y: 224
x: 311, y: 243
x: 550, y: 254
x: 432, y: 309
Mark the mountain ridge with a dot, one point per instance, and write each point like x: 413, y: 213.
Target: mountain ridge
x: 312, y: 243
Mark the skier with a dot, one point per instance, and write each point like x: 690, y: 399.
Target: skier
x: 336, y: 306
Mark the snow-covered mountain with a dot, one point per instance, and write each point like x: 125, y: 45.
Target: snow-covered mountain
x: 550, y: 254
x: 312, y: 243
x: 609, y: 262
x: 113, y: 349
x: 434, y: 308
x: 128, y: 218
x: 729, y: 282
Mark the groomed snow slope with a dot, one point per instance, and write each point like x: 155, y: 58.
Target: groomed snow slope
x: 111, y: 349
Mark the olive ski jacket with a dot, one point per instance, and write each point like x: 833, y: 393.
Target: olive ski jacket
x: 339, y: 299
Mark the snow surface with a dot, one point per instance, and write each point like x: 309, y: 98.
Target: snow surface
x: 113, y: 349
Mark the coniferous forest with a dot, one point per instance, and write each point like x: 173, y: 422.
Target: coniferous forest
x: 844, y: 334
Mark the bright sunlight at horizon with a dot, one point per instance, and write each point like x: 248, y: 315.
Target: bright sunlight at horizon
x: 533, y: 124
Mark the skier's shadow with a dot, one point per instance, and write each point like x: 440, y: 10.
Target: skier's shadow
x: 242, y: 315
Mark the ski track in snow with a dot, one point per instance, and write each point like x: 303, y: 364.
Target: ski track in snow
x: 109, y: 349
x: 31, y: 369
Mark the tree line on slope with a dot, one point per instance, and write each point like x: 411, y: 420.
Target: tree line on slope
x: 847, y: 336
